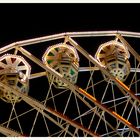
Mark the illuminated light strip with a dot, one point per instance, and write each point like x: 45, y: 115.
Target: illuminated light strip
x: 121, y: 118
x: 122, y: 84
x: 83, y: 91
x: 72, y: 122
x: 131, y: 93
x: 112, y: 113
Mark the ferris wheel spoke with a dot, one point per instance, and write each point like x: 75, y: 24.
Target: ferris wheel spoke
x: 106, y: 127
x: 110, y: 126
x: 95, y: 84
x: 129, y: 133
x: 79, y: 113
x: 92, y: 85
x: 133, y: 134
x: 47, y: 128
x: 8, y: 61
x: 114, y: 114
x: 54, y: 51
x: 54, y: 104
x: 38, y: 106
x: 17, y: 119
x: 56, y: 122
x: 137, y: 118
x: 90, y: 81
x: 95, y: 112
x: 122, y: 99
x: 57, y: 133
x: 34, y: 122
x: 127, y: 95
x: 61, y: 133
x: 91, y: 121
x: 114, y: 101
x: 66, y: 129
x: 50, y: 92
x: 24, y: 113
x: 90, y: 58
x: 57, y: 94
x: 16, y: 62
x: 113, y: 94
x: 105, y: 91
x: 39, y: 63
x: 99, y: 121
x: 53, y: 100
x: 67, y: 103
x: 128, y: 116
x: 134, y: 77
x: 136, y: 85
x: 136, y: 82
x: 98, y: 114
x: 12, y: 110
x: 124, y: 110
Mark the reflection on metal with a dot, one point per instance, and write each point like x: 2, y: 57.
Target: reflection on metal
x: 14, y: 72
x: 113, y: 55
x: 64, y: 59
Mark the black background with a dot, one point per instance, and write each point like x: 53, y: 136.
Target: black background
x: 23, y: 21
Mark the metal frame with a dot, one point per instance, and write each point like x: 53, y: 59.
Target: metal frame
x: 75, y: 89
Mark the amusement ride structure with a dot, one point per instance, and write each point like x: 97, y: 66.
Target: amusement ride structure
x: 71, y: 84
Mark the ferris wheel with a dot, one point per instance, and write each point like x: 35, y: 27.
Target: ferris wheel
x: 71, y: 84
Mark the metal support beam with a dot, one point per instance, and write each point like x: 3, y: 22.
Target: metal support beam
x: 81, y: 69
x: 43, y: 109
x: 79, y: 90
x: 71, y: 34
x: 71, y: 86
x: 135, y: 54
x: 9, y: 132
x: 94, y: 61
x: 39, y: 74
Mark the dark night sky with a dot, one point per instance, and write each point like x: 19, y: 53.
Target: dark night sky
x: 22, y: 21
x: 25, y: 21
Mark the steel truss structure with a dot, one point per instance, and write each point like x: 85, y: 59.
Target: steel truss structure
x: 93, y: 106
